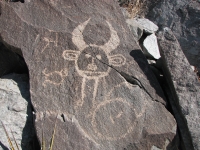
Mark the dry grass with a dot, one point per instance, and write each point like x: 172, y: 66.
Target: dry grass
x: 9, y: 139
x: 52, y: 137
x: 43, y: 147
x: 134, y: 7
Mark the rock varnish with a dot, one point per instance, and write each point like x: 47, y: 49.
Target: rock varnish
x: 69, y: 47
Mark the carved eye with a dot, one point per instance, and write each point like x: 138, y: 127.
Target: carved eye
x: 99, y: 57
x: 87, y: 55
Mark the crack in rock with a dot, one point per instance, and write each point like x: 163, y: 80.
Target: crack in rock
x: 129, y: 78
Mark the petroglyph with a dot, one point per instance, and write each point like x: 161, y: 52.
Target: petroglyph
x: 108, y: 128
x: 55, y: 77
x: 110, y: 119
x: 89, y: 58
x: 139, y: 110
x: 88, y: 64
x: 48, y: 41
x: 106, y: 117
x: 122, y: 115
x: 44, y: 42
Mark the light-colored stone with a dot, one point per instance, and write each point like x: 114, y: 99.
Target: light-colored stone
x: 142, y: 23
x: 155, y: 148
x: 135, y: 28
x: 15, y: 110
x: 151, y: 47
x: 193, y: 68
x: 151, y: 62
x: 147, y: 25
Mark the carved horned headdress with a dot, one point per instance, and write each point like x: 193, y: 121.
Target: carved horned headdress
x: 89, y: 58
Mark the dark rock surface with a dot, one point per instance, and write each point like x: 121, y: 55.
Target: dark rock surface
x: 184, y: 88
x: 183, y: 18
x: 68, y: 47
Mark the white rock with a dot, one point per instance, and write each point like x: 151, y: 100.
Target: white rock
x: 151, y: 62
x: 155, y: 148
x: 135, y: 28
x: 142, y: 23
x: 151, y: 47
x: 193, y: 68
x: 147, y: 25
x: 14, y: 108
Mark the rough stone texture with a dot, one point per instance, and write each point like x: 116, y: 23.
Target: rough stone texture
x: 184, y: 87
x: 147, y: 25
x: 135, y: 28
x: 16, y: 113
x: 144, y: 24
x: 68, y: 46
x: 183, y: 18
x: 150, y: 47
x: 10, y: 61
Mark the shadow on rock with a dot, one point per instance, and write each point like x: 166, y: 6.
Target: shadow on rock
x: 13, y: 67
x: 11, y: 60
x: 139, y: 58
x: 3, y: 146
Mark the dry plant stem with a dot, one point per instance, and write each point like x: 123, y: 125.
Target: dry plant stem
x: 52, y: 138
x: 53, y: 135
x: 43, y: 140
x: 14, y: 140
x: 9, y: 140
x: 135, y: 8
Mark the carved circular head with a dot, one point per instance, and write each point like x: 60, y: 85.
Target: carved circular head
x: 91, y: 63
x: 113, y: 119
x: 89, y: 57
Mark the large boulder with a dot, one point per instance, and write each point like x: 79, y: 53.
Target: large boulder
x: 77, y: 54
x: 16, y: 111
x: 183, y: 18
x: 184, y: 88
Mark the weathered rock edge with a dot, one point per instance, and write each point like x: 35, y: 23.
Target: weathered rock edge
x: 184, y: 87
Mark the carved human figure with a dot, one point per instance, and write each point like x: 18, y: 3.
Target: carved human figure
x: 91, y: 61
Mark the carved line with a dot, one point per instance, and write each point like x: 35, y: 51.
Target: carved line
x: 94, y: 124
x: 142, y: 111
x: 72, y: 55
x: 95, y: 90
x: 46, y: 39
